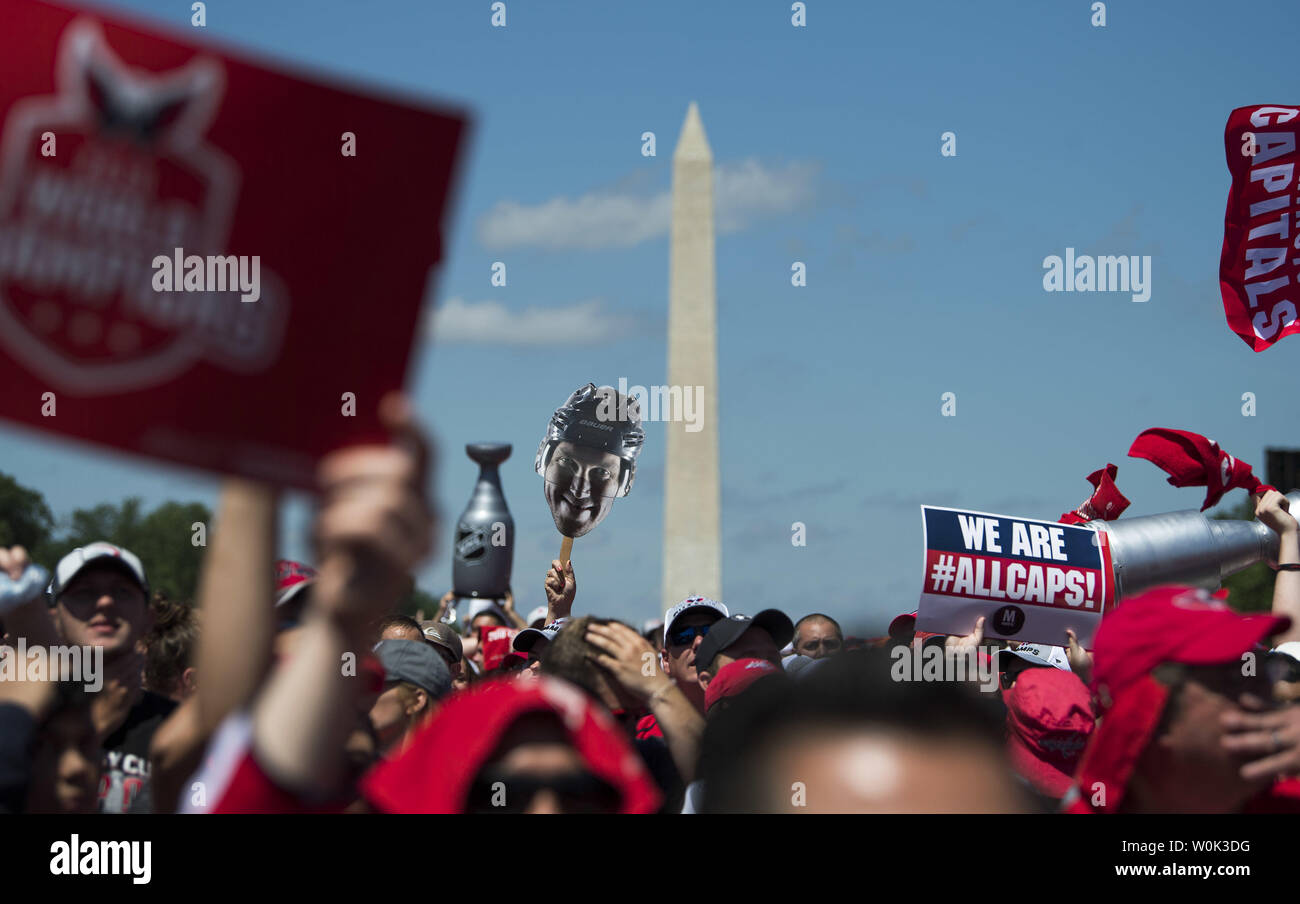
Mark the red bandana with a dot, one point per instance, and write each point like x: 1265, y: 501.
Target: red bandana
x: 1106, y: 502
x: 1191, y: 460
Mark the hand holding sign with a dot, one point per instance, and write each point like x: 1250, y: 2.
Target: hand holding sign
x: 966, y: 641
x: 375, y: 524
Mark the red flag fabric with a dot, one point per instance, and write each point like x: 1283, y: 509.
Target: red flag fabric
x: 1257, y: 271
x: 1106, y: 502
x: 495, y: 641
x: 1191, y: 460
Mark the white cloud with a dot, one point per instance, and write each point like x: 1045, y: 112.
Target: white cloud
x: 748, y: 191
x: 460, y: 321
x: 742, y: 193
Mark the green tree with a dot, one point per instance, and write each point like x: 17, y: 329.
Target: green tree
x: 25, y: 519
x: 416, y: 602
x: 162, y: 538
x: 1249, y: 590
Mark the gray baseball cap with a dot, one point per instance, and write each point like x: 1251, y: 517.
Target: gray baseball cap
x: 445, y: 636
x: 417, y: 662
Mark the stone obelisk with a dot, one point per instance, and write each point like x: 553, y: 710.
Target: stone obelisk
x: 692, y: 540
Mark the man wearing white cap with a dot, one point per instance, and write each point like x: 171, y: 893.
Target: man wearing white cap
x: 1010, y: 663
x: 100, y: 597
x: 685, y: 626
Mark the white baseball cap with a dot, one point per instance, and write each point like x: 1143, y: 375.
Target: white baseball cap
x: 1039, y: 655
x: 691, y: 602
x: 74, y: 562
x: 1290, y: 648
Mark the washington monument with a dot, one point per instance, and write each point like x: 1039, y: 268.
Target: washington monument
x: 692, y: 540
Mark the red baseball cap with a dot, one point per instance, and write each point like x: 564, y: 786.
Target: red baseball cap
x: 1172, y: 624
x: 291, y: 579
x: 734, y: 677
x: 372, y: 673
x: 1049, y: 719
x: 902, y: 624
x: 1167, y: 624
x: 906, y: 624
x: 434, y: 773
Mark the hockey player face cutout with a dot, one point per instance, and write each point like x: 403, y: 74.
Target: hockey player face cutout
x: 581, y: 483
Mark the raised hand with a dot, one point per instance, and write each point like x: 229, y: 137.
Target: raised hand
x: 1273, y: 509
x: 628, y: 658
x: 375, y: 523
x: 561, y: 587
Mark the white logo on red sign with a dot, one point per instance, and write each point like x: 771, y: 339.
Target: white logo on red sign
x: 132, y: 177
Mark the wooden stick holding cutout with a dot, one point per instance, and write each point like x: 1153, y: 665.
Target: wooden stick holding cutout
x: 566, y: 548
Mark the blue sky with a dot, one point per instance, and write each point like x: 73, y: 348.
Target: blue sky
x: 924, y: 272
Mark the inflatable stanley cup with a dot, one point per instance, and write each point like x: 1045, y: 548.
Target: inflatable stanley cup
x: 1184, y: 548
x: 485, y: 535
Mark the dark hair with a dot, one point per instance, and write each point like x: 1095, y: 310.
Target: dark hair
x: 838, y: 629
x: 404, y: 621
x: 169, y: 645
x: 853, y: 690
x: 568, y: 655
x: 501, y: 623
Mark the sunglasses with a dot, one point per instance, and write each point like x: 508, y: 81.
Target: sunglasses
x: 1232, y: 683
x: 1281, y: 667
x: 82, y: 599
x: 1227, y: 679
x: 683, y: 636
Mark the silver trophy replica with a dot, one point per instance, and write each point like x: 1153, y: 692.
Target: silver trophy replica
x: 1184, y: 548
x: 485, y: 534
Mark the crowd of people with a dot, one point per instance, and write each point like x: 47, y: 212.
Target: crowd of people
x: 290, y: 687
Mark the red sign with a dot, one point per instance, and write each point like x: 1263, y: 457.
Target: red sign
x: 496, y: 643
x: 201, y: 256
x: 1260, y: 265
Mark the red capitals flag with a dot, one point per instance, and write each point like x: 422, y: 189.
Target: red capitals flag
x: 204, y: 259
x: 1260, y: 264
